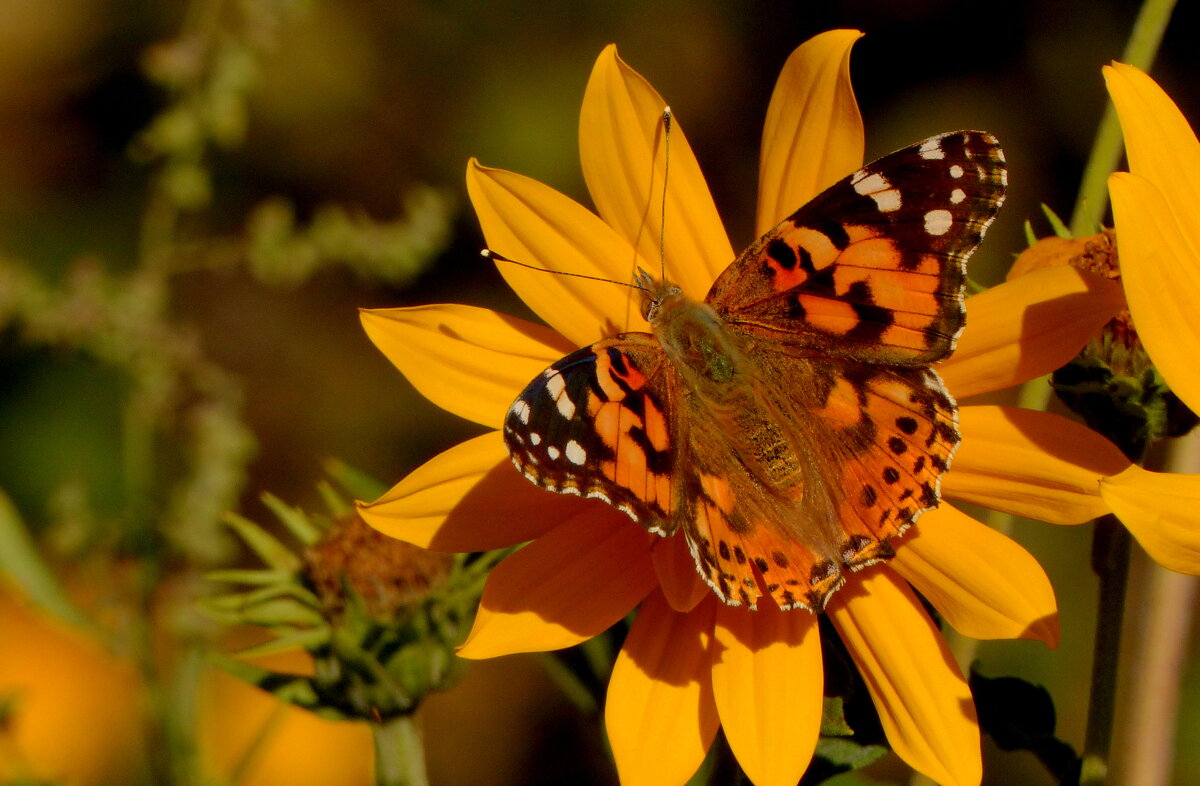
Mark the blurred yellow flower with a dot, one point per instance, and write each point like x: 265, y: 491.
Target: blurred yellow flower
x: 1158, y: 238
x: 690, y: 663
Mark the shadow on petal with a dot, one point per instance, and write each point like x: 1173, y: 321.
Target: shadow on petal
x: 1033, y: 464
x: 567, y: 586
x: 660, y: 715
x: 1022, y: 329
x: 677, y: 573
x: 468, y: 498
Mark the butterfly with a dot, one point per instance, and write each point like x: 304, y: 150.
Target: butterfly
x: 791, y: 424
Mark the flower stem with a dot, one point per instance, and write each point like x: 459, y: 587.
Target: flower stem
x: 1140, y: 50
x: 1149, y: 708
x: 399, y: 752
x: 1110, y: 561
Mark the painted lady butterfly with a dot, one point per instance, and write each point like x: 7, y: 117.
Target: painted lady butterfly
x: 791, y: 424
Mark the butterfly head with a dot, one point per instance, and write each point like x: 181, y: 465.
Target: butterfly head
x: 655, y: 292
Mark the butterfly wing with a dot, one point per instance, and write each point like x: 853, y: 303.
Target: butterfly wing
x: 873, y: 268
x: 597, y: 424
x: 841, y: 308
x: 870, y: 446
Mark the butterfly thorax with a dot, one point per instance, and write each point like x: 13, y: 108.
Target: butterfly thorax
x: 698, y: 343
x: 721, y: 378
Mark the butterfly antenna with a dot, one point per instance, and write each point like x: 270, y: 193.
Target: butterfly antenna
x: 487, y: 253
x: 662, y: 223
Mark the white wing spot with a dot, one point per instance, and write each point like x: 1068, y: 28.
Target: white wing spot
x: 535, y: 438
x: 598, y: 494
x: 575, y: 452
x: 938, y: 222
x: 932, y: 149
x: 956, y: 171
x: 553, y: 453
x: 556, y: 387
x: 956, y: 196
x: 869, y: 183
x: 520, y: 408
x: 876, y: 186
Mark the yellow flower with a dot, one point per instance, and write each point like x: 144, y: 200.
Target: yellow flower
x: 1158, y: 238
x: 690, y: 663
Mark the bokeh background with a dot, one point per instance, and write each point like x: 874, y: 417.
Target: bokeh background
x: 365, y: 103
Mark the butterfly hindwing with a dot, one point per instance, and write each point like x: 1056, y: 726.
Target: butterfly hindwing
x: 873, y: 268
x: 597, y: 424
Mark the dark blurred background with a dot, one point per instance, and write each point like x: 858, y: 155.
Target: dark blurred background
x: 362, y: 101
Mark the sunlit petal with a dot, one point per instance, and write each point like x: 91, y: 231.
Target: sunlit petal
x: 677, y: 573
x: 622, y: 149
x: 1160, y: 268
x: 1032, y: 464
x: 1162, y: 511
x: 469, y: 498
x: 924, y: 703
x: 467, y: 360
x: 1027, y: 327
x: 660, y: 713
x: 1159, y: 143
x: 533, y: 224
x: 813, y: 135
x: 983, y: 583
x: 567, y: 586
x: 768, y: 685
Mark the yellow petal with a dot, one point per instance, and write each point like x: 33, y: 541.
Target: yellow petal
x: 1159, y: 143
x: 813, y: 135
x: 677, y: 573
x: 768, y: 685
x: 622, y: 149
x: 924, y: 703
x: 567, y: 586
x: 1027, y: 327
x: 1032, y: 464
x: 1160, y: 268
x: 982, y: 582
x: 535, y: 225
x: 469, y: 498
x: 1160, y: 510
x: 660, y: 714
x: 467, y: 360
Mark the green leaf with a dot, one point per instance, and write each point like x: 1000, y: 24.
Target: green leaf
x: 293, y: 518
x: 353, y: 481
x: 262, y: 543
x: 21, y: 560
x: 833, y: 718
x: 303, y: 638
x: 291, y: 688
x: 838, y: 754
x: 1057, y: 224
x: 254, y: 577
x: 334, y: 502
x: 1030, y: 236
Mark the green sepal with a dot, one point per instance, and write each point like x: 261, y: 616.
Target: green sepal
x: 833, y: 718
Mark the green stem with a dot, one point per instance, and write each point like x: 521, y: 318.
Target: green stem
x: 1110, y: 561
x: 399, y: 752
x: 1140, y: 50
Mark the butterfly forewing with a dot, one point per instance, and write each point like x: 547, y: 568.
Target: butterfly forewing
x: 597, y: 424
x: 873, y: 268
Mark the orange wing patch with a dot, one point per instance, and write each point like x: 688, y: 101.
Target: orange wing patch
x: 897, y: 476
